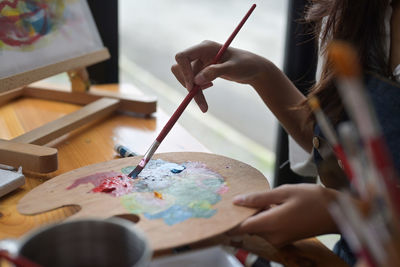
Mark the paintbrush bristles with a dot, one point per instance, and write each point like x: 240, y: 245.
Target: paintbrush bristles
x: 344, y: 59
x: 133, y: 174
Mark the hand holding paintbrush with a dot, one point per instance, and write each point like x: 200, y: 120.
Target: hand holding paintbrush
x: 184, y: 103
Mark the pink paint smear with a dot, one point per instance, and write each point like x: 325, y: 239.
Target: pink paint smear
x: 114, y: 183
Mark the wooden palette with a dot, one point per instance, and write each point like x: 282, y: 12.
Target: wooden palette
x: 241, y: 178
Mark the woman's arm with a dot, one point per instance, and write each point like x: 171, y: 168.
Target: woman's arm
x: 281, y: 97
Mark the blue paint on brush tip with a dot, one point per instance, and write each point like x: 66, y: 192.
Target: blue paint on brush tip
x: 178, y: 169
x: 134, y: 174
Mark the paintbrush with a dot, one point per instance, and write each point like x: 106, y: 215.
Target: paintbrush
x: 171, y: 122
x: 18, y: 260
x: 356, y: 157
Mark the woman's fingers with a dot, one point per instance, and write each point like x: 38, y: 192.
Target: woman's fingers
x: 211, y: 72
x: 204, y: 51
x: 185, y: 66
x: 278, y: 225
x: 201, y: 101
x: 175, y: 69
x: 289, y: 212
x: 265, y: 221
x: 191, y: 62
x: 196, y: 66
x: 268, y: 225
x: 261, y: 200
x: 199, y: 97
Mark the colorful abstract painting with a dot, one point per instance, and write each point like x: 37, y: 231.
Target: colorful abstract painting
x: 163, y: 190
x: 36, y: 33
x: 24, y: 23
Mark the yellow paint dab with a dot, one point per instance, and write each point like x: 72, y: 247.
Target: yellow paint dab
x: 10, y: 12
x: 157, y: 195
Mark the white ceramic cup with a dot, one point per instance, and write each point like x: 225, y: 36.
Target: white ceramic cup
x: 89, y: 242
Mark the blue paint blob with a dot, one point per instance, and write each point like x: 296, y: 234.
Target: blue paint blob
x: 174, y: 214
x: 178, y: 169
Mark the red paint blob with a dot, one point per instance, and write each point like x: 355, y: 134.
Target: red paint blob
x: 114, y: 183
x: 110, y: 184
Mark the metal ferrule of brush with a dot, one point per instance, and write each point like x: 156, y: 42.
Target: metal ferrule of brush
x: 151, y: 151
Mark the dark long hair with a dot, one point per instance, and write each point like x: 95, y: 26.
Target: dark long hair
x: 358, y: 22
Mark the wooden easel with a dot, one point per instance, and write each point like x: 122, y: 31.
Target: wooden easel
x: 28, y: 150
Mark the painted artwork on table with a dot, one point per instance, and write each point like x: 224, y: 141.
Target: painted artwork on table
x: 163, y: 190
x: 37, y: 33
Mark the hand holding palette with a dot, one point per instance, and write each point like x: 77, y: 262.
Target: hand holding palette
x: 178, y: 198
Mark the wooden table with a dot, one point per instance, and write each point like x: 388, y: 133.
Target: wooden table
x: 94, y: 143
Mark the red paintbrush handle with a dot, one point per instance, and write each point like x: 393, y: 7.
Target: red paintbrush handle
x: 230, y: 39
x: 178, y: 112
x: 342, y: 157
x: 18, y: 260
x: 196, y: 88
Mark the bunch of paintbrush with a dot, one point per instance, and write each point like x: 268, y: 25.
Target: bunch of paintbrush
x: 371, y: 223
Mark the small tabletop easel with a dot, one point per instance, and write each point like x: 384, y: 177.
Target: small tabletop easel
x: 28, y: 150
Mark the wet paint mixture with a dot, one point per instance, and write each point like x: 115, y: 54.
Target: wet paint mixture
x: 114, y: 183
x: 163, y: 190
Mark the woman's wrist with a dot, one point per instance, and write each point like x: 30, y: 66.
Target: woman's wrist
x: 260, y: 80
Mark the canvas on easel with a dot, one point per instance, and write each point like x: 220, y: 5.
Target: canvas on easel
x: 41, y: 38
x: 35, y: 34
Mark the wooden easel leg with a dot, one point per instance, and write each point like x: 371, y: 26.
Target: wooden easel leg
x: 26, y: 150
x: 138, y: 104
x: 79, y: 79
x: 32, y: 157
x: 10, y: 95
x: 50, y: 131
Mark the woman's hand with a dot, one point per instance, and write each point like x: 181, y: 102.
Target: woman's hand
x: 193, y: 67
x: 289, y: 213
x: 272, y: 85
